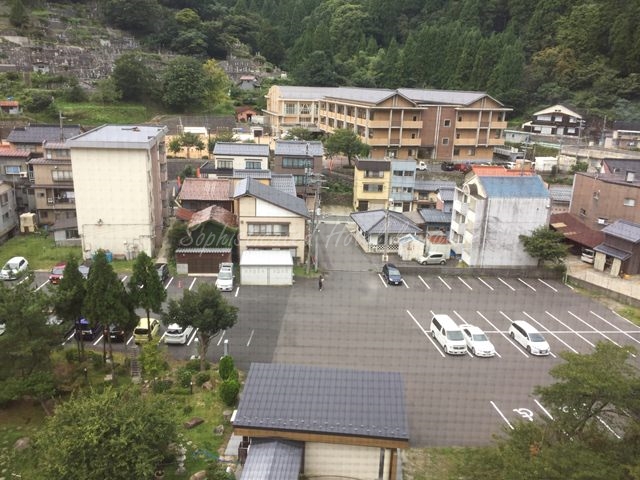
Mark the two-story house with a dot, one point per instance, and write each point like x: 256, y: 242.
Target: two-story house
x: 403, y: 179
x: 14, y: 170
x: 556, y: 120
x: 120, y: 187
x: 491, y: 212
x: 199, y: 193
x: 229, y: 156
x: 426, y: 193
x: 601, y: 199
x: 625, y: 135
x: 52, y: 183
x: 301, y: 159
x: 620, y: 248
x: 31, y: 137
x: 371, y: 181
x: 401, y: 123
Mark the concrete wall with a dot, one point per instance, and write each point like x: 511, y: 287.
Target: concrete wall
x: 344, y: 461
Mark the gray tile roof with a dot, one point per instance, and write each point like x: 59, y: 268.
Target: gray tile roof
x: 284, y: 182
x: 249, y: 186
x: 612, y: 252
x: 299, y: 148
x: 323, y: 400
x: 249, y: 149
x: 431, y: 215
x: 443, y: 97
x: 624, y: 229
x: 432, y: 185
x: 37, y: 133
x: 446, y: 194
x: 622, y: 165
x: 118, y: 137
x: 242, y: 173
x: 273, y: 460
x: 514, y: 187
x: 374, y: 221
x: 560, y: 193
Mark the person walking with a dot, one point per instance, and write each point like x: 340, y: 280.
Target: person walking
x: 320, y: 282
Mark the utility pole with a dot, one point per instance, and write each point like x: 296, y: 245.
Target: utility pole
x: 385, y: 255
x: 312, y: 237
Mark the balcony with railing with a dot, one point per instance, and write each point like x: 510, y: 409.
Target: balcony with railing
x: 458, y: 206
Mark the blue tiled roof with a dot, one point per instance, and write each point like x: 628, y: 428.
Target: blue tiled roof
x: 514, y: 187
x: 431, y: 215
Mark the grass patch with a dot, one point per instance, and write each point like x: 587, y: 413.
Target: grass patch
x: 301, y: 271
x: 40, y: 251
x: 431, y: 463
x: 95, y: 114
x: 630, y: 313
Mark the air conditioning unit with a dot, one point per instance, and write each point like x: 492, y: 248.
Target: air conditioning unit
x: 50, y: 200
x: 24, y: 174
x: 602, y: 221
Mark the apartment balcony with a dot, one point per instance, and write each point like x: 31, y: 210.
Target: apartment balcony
x: 379, y: 124
x: 458, y: 228
x: 411, y: 124
x: 462, y: 208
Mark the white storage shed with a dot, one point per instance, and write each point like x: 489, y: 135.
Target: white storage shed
x: 266, y: 267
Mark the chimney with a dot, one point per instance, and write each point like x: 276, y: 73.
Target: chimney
x: 630, y: 176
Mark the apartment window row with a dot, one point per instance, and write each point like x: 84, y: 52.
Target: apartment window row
x: 297, y: 162
x: 373, y: 187
x: 268, y: 229
x: 402, y: 190
x: 4, y: 199
x: 12, y: 169
x: 373, y: 174
x: 62, y: 175
x: 403, y: 173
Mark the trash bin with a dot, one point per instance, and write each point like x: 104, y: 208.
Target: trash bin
x: 109, y: 256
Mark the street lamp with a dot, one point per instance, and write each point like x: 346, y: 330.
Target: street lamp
x: 385, y: 255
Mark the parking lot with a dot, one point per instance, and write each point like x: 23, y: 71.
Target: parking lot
x: 357, y: 321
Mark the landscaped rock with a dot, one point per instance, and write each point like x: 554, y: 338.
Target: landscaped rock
x: 201, y: 475
x: 194, y: 422
x: 207, y: 386
x: 22, y: 444
x: 219, y: 430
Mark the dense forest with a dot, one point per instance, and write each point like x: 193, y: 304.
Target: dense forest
x: 528, y: 54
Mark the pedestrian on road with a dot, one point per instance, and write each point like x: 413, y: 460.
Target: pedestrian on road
x: 320, y: 282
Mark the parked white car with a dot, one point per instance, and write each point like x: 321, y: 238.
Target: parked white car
x: 526, y: 335
x: 177, y: 335
x: 224, y: 282
x: 477, y: 341
x: 14, y: 268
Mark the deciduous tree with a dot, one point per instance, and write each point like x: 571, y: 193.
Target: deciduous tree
x: 545, y: 245
x: 145, y: 286
x: 346, y: 142
x: 183, y: 85
x: 68, y: 298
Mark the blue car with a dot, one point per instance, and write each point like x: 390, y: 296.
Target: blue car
x: 391, y: 274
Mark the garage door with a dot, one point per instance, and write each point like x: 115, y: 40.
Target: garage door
x: 266, y: 275
x: 280, y: 276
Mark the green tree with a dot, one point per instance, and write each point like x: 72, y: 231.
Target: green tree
x: 106, y: 301
x: 18, y: 15
x: 145, y: 286
x: 183, y: 85
x: 205, y: 310
x: 133, y: 77
x: 153, y: 360
x: 579, y: 167
x: 175, y: 236
x: 68, y: 299
x: 217, y: 84
x: 110, y: 434
x: 545, y: 245
x: 106, y: 91
x: 175, y: 145
x: 137, y: 16
x: 346, y: 142
x: 300, y: 133
x: 191, y: 140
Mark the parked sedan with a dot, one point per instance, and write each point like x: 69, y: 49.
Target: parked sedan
x: 116, y: 334
x: 477, y: 341
x: 15, y: 268
x: 391, y: 274
x: 56, y: 273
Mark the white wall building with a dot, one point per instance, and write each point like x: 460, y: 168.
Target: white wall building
x: 241, y: 156
x: 120, y: 183
x: 489, y: 215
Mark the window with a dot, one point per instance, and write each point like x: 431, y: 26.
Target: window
x: 629, y: 202
x: 268, y: 229
x: 305, y: 109
x: 372, y: 187
x: 12, y: 169
x: 471, y: 152
x: 5, y: 216
x: 445, y: 141
x: 410, y: 152
x: 253, y: 164
x: 290, y: 109
x: 413, y: 135
x: 72, y: 233
x: 300, y: 180
x: 456, y: 152
x: 457, y: 135
x: 296, y: 162
x: 583, y: 212
x: 4, y: 199
x: 447, y: 123
x: 398, y: 173
x: 225, y: 164
x: 61, y: 175
x: 373, y: 174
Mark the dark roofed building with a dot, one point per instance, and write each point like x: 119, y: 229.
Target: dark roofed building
x: 349, y: 423
x: 32, y: 136
x: 575, y: 231
x: 299, y: 158
x: 620, y: 248
x: 375, y: 226
x: 199, y: 193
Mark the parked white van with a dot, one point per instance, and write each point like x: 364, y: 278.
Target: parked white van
x: 448, y: 335
x: 177, y: 335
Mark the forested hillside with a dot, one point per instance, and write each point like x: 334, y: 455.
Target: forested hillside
x: 526, y: 53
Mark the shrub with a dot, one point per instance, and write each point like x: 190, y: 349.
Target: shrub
x: 71, y: 355
x: 228, y: 391
x: 161, y: 386
x: 202, y: 377
x: 194, y: 365
x: 184, y: 377
x: 226, y: 367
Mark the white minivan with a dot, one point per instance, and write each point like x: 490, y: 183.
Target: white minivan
x: 448, y: 335
x: 177, y: 335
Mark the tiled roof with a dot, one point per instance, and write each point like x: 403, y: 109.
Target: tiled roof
x: 242, y: 173
x: 65, y: 223
x: 446, y: 194
x: 39, y: 133
x: 438, y: 239
x: 557, y: 108
x: 622, y: 165
x: 431, y: 215
x: 560, y: 193
x: 373, y: 165
x: 323, y: 400
x: 214, y: 213
x: 249, y: 186
x: 613, y: 252
x: 271, y: 459
x: 49, y: 161
x: 432, y: 185
x: 14, y: 153
x: 9, y: 103
x: 499, y: 171
x: 214, y: 189
x: 624, y: 229
x: 299, y: 148
x: 374, y: 221
x: 514, y: 187
x: 184, y: 214
x: 202, y: 250
x: 628, y: 126
x: 250, y: 149
x: 619, y: 178
x: 575, y: 230
x: 284, y: 182
x: 442, y: 97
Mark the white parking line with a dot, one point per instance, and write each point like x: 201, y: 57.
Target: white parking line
x: 463, y: 321
x: 98, y: 340
x: 426, y: 333
x: 624, y: 318
x: 168, y: 283
x: 250, y: 337
x: 569, y: 328
x: 542, y: 408
x: 237, y: 291
x: 130, y: 339
x: 512, y: 289
x: 609, y: 323
x: 594, y: 329
x: 386, y: 285
x: 445, y: 283
x: 124, y: 278
x: 42, y: 285
x: 405, y: 283
x: 465, y: 283
x: 193, y: 337
x: 608, y: 427
x: 513, y: 342
x: 545, y: 283
x: 425, y: 283
x: 193, y: 283
x: 488, y: 286
x: 221, y: 337
x: 527, y: 284
x: 501, y: 414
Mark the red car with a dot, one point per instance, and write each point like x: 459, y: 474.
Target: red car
x: 56, y: 273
